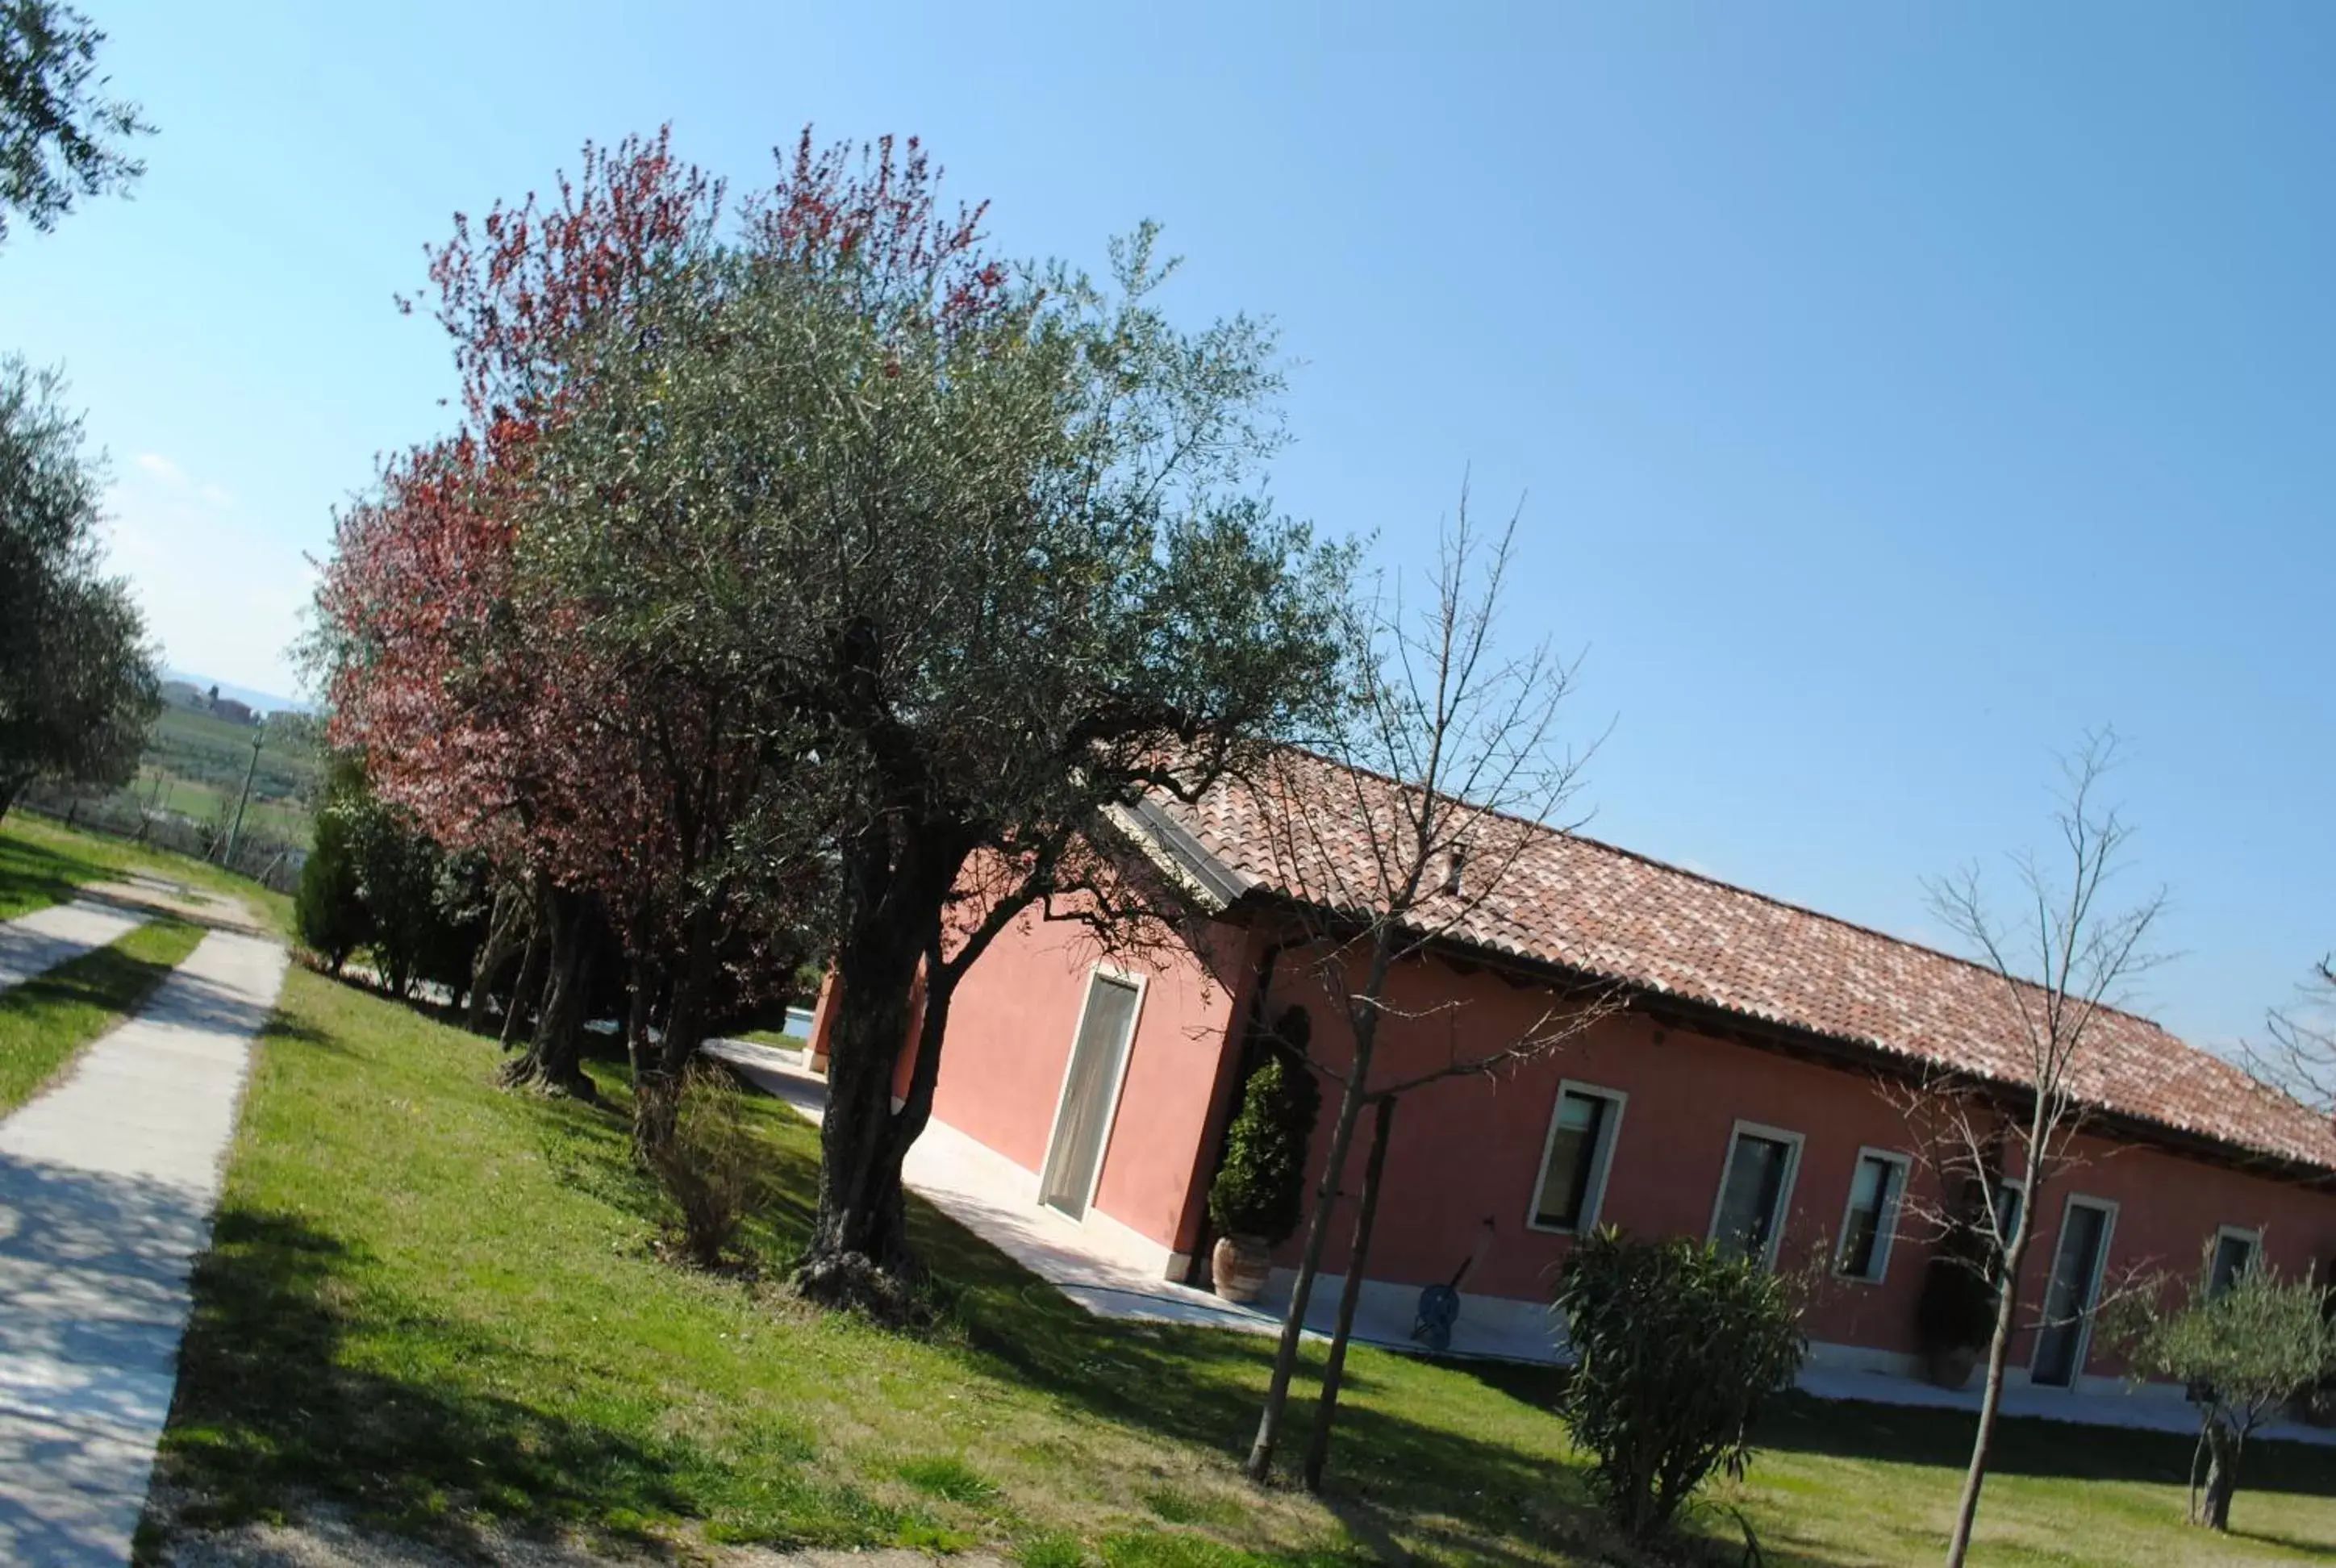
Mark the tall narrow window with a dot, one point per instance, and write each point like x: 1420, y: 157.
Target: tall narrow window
x: 1573, y: 1161
x: 1875, y: 1190
x: 2235, y: 1253
x: 2011, y: 1193
x: 1753, y: 1194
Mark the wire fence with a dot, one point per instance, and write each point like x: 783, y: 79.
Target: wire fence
x: 122, y: 814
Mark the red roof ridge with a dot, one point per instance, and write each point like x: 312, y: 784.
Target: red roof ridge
x: 1595, y: 908
x: 1675, y: 869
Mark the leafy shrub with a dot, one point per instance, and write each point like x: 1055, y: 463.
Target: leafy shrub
x: 710, y: 1166
x: 375, y: 879
x: 1676, y: 1345
x: 327, y: 914
x: 1260, y: 1186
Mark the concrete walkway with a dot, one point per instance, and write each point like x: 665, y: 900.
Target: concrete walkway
x: 37, y: 943
x: 1101, y: 1265
x: 997, y: 1200
x: 107, y: 1184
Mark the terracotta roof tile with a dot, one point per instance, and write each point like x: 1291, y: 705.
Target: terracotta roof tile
x: 1606, y: 912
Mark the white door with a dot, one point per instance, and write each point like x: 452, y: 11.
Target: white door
x: 1090, y: 1093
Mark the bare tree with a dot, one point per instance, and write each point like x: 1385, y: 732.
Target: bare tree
x: 2065, y: 960
x: 1413, y: 817
x: 2299, y: 1057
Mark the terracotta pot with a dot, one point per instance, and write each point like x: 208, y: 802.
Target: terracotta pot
x: 1239, y: 1267
x: 1951, y: 1368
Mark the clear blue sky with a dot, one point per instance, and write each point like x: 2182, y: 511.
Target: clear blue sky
x: 1896, y: 391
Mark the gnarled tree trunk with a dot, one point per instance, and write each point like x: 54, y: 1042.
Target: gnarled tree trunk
x: 654, y: 1105
x: 894, y: 892
x: 859, y: 1251
x: 551, y: 1060
x: 507, y: 933
x: 529, y: 981
x: 2222, y: 1445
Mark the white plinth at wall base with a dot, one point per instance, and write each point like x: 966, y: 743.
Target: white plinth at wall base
x: 1114, y: 1271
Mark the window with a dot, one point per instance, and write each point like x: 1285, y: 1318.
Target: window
x: 1573, y: 1162
x: 2236, y: 1251
x: 2010, y: 1193
x: 2072, y: 1290
x: 1747, y: 1219
x: 1872, y: 1219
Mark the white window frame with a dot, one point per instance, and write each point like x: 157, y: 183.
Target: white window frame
x: 2251, y: 1236
x: 1601, y: 1160
x: 2108, y: 1208
x: 1095, y: 972
x: 1886, y: 1223
x: 1784, y: 1193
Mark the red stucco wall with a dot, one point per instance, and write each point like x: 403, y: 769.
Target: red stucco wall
x: 1011, y: 1027
x: 1468, y: 1151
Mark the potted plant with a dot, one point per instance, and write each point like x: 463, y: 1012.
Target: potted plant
x: 1955, y: 1315
x: 1259, y: 1185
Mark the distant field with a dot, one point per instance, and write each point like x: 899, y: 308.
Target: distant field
x: 288, y: 820
x: 194, y: 764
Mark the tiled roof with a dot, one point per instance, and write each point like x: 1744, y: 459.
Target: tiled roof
x: 1606, y: 913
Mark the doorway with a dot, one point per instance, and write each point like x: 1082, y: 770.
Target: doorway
x: 1090, y: 1092
x: 2069, y: 1299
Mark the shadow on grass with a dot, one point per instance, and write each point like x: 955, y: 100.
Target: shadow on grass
x: 33, y: 875
x: 1914, y: 1434
x: 271, y: 1406
x: 307, y: 1376
x: 1438, y: 1484
x: 2304, y: 1551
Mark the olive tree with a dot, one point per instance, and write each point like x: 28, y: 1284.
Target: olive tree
x: 78, y: 684
x: 59, y: 135
x: 981, y: 554
x: 2241, y: 1351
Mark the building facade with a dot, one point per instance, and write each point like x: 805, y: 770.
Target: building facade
x: 1745, y: 1080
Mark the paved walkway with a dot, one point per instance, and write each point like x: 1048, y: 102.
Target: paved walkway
x: 1093, y: 1264
x: 37, y: 943
x: 997, y: 1200
x: 107, y: 1184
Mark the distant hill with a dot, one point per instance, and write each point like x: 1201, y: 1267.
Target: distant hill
x: 258, y: 701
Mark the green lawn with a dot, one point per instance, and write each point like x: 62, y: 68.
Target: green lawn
x: 42, y: 862
x: 39, y: 869
x: 47, y: 1020
x: 437, y: 1305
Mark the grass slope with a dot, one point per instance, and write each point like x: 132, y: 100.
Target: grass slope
x: 45, y: 1021
x: 42, y: 862
x: 39, y: 869
x: 438, y: 1305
